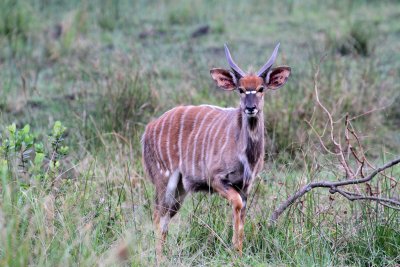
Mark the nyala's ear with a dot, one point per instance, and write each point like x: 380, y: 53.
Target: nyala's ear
x: 277, y: 77
x: 224, y: 79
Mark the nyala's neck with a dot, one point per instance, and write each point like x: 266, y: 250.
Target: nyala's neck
x: 251, y: 136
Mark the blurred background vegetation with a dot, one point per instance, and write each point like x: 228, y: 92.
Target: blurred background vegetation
x: 106, y: 68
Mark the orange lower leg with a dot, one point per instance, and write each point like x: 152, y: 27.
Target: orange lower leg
x: 237, y: 204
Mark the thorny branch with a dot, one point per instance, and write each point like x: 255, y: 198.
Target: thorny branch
x: 344, y: 155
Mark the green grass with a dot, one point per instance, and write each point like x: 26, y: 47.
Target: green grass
x: 106, y: 68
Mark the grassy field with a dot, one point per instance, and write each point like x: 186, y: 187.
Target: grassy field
x: 87, y: 76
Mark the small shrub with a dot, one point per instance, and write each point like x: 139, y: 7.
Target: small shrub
x: 27, y: 159
x: 355, y: 41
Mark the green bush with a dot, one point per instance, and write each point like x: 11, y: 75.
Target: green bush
x: 29, y: 160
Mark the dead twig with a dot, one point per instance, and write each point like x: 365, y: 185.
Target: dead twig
x: 334, y: 189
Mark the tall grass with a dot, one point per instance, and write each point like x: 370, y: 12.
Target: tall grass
x: 102, y: 216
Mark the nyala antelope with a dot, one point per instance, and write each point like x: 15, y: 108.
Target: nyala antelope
x: 211, y: 149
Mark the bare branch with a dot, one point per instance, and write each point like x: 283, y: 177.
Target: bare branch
x: 353, y: 196
x: 334, y: 187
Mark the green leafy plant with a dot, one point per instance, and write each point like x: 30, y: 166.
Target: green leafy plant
x: 26, y: 157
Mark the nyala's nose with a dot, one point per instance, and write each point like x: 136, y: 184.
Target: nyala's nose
x: 251, y: 109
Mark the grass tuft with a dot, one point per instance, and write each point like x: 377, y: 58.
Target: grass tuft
x: 356, y: 41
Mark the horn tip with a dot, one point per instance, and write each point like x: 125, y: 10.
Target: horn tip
x: 226, y: 48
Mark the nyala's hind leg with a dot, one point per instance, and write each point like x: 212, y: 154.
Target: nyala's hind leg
x: 168, y: 202
x: 161, y: 226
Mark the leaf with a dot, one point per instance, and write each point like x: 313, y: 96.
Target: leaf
x: 39, y: 148
x: 39, y: 158
x: 64, y: 150
x: 58, y: 129
x: 26, y: 129
x: 12, y: 129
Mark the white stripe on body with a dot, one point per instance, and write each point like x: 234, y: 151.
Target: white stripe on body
x: 227, y: 138
x: 205, y: 138
x: 189, y: 142
x: 214, y: 136
x: 159, y: 145
x: 168, y: 142
x: 180, y: 135
x: 195, y: 140
x: 159, y: 162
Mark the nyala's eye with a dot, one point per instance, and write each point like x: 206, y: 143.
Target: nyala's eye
x: 241, y: 91
x: 260, y: 90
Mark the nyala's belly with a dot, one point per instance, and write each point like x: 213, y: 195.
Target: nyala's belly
x: 198, y: 183
x: 195, y: 184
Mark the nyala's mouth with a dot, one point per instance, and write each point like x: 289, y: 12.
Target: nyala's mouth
x: 251, y: 113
